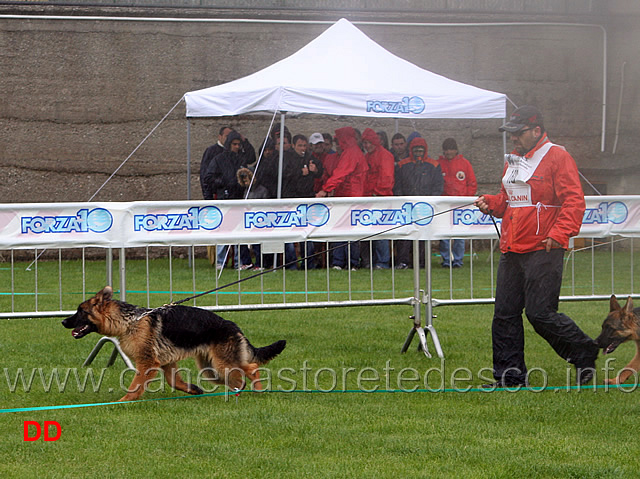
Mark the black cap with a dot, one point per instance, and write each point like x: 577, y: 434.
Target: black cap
x: 525, y: 116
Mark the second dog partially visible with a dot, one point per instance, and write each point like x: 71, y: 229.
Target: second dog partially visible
x: 622, y: 324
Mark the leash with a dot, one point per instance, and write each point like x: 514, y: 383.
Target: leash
x: 247, y: 278
x: 604, y: 387
x: 495, y: 225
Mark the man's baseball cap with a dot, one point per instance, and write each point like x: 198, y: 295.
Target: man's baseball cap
x: 316, y: 138
x: 525, y: 116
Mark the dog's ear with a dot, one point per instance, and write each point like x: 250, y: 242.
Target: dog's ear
x: 613, y: 304
x: 628, y: 308
x: 105, y: 295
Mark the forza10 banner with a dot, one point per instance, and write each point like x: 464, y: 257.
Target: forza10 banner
x: 185, y: 223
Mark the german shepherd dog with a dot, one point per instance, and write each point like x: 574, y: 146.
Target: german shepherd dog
x: 158, y: 338
x: 622, y: 324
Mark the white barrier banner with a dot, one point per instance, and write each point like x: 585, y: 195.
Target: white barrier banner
x: 183, y: 223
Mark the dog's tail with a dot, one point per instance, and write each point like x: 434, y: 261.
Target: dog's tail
x: 267, y: 353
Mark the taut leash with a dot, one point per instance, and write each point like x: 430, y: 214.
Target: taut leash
x: 238, y: 281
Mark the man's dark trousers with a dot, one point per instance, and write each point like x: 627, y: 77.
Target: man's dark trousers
x: 532, y: 281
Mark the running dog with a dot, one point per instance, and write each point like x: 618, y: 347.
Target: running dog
x: 157, y: 338
x: 622, y: 324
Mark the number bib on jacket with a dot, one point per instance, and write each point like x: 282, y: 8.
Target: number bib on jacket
x: 519, y: 171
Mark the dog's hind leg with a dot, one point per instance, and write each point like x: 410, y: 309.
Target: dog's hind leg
x: 629, y: 369
x: 252, y: 371
x: 172, y: 375
x: 233, y: 375
x: 145, y: 372
x: 208, y: 371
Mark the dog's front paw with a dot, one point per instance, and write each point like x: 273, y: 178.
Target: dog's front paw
x: 193, y: 389
x: 129, y: 397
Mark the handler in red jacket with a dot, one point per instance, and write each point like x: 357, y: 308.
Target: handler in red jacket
x: 459, y: 180
x: 541, y: 205
x: 379, y: 182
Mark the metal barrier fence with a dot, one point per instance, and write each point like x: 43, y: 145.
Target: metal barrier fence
x: 54, y: 283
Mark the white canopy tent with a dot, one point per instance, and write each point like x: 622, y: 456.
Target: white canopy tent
x: 364, y: 80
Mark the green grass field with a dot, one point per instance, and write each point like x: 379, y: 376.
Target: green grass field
x: 558, y: 431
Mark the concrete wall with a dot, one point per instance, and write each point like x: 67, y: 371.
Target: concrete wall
x: 80, y: 95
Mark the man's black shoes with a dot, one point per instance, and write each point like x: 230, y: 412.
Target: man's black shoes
x: 584, y: 375
x: 505, y: 385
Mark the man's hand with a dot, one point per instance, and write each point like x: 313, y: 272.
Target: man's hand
x: 481, y: 204
x: 550, y: 244
x: 321, y: 194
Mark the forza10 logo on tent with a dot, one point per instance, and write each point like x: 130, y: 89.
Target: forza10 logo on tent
x: 413, y: 104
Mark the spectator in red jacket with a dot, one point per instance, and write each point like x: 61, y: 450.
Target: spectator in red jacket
x: 349, y: 175
x: 379, y: 182
x: 347, y: 179
x: 541, y: 205
x: 459, y: 180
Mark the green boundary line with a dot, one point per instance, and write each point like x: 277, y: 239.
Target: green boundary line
x: 346, y: 391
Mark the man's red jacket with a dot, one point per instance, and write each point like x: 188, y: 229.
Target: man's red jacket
x: 381, y: 167
x: 558, y: 204
x: 459, y: 179
x: 350, y: 173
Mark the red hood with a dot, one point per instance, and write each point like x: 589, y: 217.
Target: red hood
x: 418, y: 142
x: 346, y: 137
x: 372, y: 137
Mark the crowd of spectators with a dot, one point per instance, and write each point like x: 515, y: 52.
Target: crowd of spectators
x: 348, y: 164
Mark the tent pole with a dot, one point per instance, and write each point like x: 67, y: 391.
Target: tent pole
x: 281, y: 154
x: 189, y: 177
x: 188, y: 159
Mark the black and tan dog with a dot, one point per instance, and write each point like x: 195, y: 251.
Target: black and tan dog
x: 157, y: 338
x: 622, y: 324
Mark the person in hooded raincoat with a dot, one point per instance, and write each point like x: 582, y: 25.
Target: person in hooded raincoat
x: 347, y: 179
x: 379, y: 182
x: 416, y: 175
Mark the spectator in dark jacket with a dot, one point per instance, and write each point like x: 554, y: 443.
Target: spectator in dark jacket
x: 254, y: 190
x: 399, y: 147
x: 300, y: 170
x: 266, y: 172
x: 417, y: 175
x: 221, y: 174
x: 222, y: 178
x: 209, y: 154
